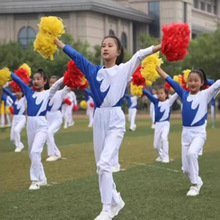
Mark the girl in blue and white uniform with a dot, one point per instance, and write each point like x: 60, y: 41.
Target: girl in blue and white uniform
x: 19, y: 118
x: 54, y: 120
x: 37, y: 129
x: 194, y: 116
x: 162, y: 108
x: 108, y: 84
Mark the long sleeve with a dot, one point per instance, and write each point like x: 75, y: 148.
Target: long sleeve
x: 81, y: 62
x: 173, y: 98
x: 150, y: 96
x: 55, y: 87
x: 179, y: 90
x: 25, y: 88
x: 8, y: 92
x: 213, y: 90
x: 136, y: 59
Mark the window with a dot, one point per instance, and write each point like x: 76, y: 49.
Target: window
x: 124, y: 40
x: 203, y: 6
x: 196, y: 4
x: 184, y: 12
x: 209, y: 8
x: 111, y: 32
x: 26, y: 35
x: 154, y: 10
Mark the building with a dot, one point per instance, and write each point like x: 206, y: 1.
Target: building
x: 201, y: 15
x: 87, y: 20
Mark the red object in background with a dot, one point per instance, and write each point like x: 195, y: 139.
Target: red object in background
x: 67, y: 101
x: 175, y: 41
x: 11, y: 109
x: 73, y: 77
x: 91, y: 104
x: 167, y: 86
x: 137, y: 78
x: 22, y: 73
x: 75, y: 108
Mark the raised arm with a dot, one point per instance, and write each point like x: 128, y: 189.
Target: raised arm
x: 213, y: 90
x: 8, y: 92
x: 55, y: 87
x: 81, y: 62
x: 150, y: 96
x: 25, y: 88
x: 180, y: 91
x: 136, y: 59
x: 173, y: 98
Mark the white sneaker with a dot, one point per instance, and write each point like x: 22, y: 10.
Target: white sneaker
x: 158, y: 159
x: 194, y: 190
x: 103, y: 216
x: 116, y: 168
x: 53, y: 158
x: 42, y: 183
x: 34, y: 186
x: 116, y: 208
x: 19, y: 149
x: 165, y: 160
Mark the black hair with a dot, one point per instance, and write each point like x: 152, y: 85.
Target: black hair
x: 120, y: 48
x: 202, y: 76
x: 165, y: 90
x: 54, y: 77
x: 43, y: 74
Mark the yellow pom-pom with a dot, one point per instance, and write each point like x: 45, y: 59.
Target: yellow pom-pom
x: 52, y: 25
x: 44, y: 45
x: 148, y: 70
x: 136, y: 90
x: 51, y: 28
x: 83, y: 104
x: 148, y: 83
x: 25, y: 66
x: 5, y: 76
x: 186, y: 74
x: 176, y: 78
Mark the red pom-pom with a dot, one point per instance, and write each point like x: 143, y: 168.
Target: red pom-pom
x: 22, y: 73
x: 175, y: 41
x: 137, y: 78
x: 73, y: 77
x: 11, y: 109
x: 167, y: 86
x: 91, y: 104
x: 67, y: 101
x: 75, y: 108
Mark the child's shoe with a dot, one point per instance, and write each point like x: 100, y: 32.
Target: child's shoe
x: 34, y: 186
x: 104, y: 215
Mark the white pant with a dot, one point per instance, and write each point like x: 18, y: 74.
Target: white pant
x: 161, y: 144
x: 132, y: 115
x: 193, y: 140
x: 108, y: 133
x: 90, y: 113
x: 54, y: 121
x: 37, y: 136
x: 68, y: 116
x: 18, y: 123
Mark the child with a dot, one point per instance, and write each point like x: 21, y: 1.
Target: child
x: 132, y: 110
x: 108, y: 84
x: 19, y: 118
x: 162, y: 109
x: 90, y: 106
x: 194, y: 115
x: 54, y: 120
x: 37, y: 101
x: 67, y: 109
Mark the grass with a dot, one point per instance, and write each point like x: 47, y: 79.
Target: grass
x: 151, y: 191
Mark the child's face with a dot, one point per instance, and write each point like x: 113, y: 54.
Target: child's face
x: 38, y: 82
x: 161, y: 95
x: 52, y: 81
x: 194, y: 83
x: 18, y: 95
x: 109, y: 49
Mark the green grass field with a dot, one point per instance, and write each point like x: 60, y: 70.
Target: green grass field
x: 151, y: 190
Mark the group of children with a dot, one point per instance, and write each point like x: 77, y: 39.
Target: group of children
x: 108, y: 84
